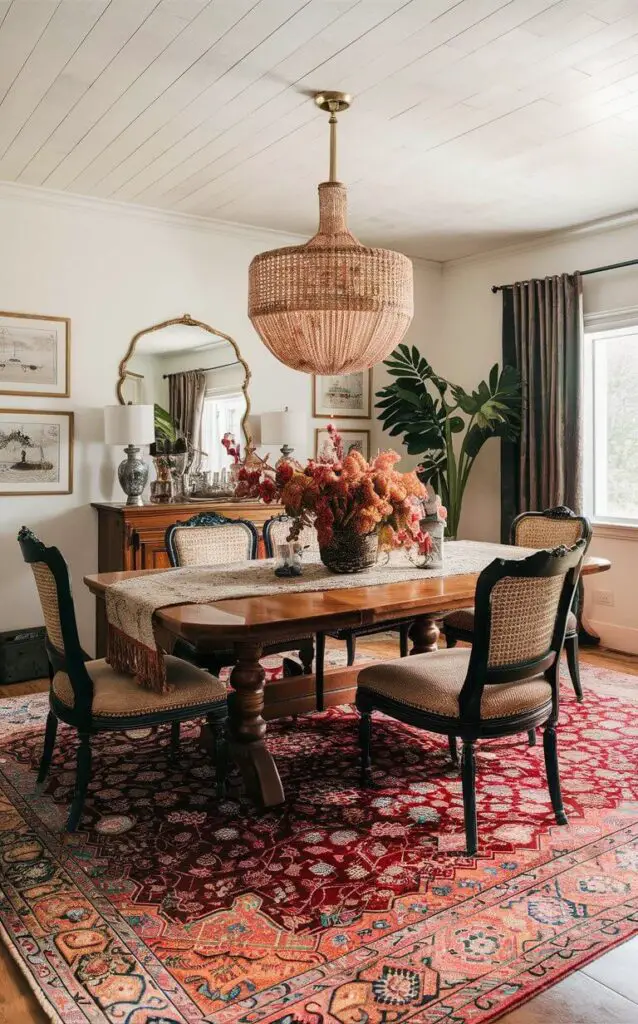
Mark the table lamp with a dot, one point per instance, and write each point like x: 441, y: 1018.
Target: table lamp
x: 282, y: 427
x: 132, y: 426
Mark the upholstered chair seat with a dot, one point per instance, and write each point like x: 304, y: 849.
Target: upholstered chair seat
x: 433, y: 683
x: 535, y: 530
x: 117, y: 695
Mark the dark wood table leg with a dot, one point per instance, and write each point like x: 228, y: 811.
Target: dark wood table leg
x: 424, y: 634
x: 247, y: 728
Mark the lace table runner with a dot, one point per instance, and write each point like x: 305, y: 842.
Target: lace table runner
x: 131, y: 604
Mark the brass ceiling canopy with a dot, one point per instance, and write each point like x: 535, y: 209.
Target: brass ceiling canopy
x: 331, y: 305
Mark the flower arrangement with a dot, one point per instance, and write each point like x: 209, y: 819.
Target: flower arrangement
x: 337, y: 493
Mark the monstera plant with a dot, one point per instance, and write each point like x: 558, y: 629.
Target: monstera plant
x: 432, y: 413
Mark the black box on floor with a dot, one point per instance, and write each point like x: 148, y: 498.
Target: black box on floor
x: 23, y: 655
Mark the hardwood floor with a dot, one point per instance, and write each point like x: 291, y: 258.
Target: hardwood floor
x: 604, y: 991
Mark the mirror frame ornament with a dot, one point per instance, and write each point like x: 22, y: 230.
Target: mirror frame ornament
x: 187, y: 321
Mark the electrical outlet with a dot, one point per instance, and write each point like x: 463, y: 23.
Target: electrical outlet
x: 604, y: 597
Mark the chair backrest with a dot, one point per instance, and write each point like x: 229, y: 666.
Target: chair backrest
x: 276, y: 532
x: 53, y: 582
x: 550, y: 528
x: 211, y: 539
x: 521, y: 610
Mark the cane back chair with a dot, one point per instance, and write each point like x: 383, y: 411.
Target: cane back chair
x: 275, y: 532
x: 92, y: 697
x: 536, y: 530
x: 213, y: 539
x: 505, y: 684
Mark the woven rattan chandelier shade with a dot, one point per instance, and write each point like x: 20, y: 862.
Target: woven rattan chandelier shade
x: 331, y: 305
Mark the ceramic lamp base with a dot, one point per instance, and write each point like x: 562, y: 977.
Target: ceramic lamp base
x: 132, y: 473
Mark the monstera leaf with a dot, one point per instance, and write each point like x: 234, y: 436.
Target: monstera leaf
x: 427, y: 411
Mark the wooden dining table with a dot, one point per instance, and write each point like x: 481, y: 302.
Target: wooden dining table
x: 248, y: 623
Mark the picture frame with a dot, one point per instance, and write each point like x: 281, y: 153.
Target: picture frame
x: 359, y: 439
x: 36, y: 452
x: 345, y: 395
x: 35, y: 355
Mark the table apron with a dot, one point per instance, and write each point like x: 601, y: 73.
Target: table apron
x: 268, y: 633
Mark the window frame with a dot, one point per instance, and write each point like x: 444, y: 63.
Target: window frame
x: 597, y: 327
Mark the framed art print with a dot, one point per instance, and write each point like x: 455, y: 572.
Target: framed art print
x: 36, y: 452
x: 347, y: 395
x: 35, y: 355
x: 352, y: 439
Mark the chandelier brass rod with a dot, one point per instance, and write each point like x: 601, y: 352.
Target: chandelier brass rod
x: 333, y: 146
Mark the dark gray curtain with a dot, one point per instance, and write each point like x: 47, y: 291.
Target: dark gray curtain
x: 186, y: 403
x: 543, y: 338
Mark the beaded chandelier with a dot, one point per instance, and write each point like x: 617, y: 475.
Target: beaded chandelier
x: 331, y: 305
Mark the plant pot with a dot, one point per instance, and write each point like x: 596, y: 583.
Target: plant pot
x: 349, y: 551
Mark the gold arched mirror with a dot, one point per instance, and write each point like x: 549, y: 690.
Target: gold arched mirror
x: 184, y: 363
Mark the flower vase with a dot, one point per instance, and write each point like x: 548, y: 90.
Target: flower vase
x: 349, y: 551
x: 433, y: 559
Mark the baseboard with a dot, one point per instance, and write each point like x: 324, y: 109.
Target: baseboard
x: 617, y: 638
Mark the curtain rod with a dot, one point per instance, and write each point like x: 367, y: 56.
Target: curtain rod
x: 201, y: 369
x: 583, y: 273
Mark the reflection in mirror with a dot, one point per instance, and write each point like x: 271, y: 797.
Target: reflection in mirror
x: 198, y: 378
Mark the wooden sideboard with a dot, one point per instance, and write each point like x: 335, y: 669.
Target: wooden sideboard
x: 132, y: 537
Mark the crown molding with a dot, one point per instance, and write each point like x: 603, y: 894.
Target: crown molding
x: 16, y: 192
x: 548, y: 239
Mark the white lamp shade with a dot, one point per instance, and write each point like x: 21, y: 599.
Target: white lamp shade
x: 129, y: 424
x: 283, y: 428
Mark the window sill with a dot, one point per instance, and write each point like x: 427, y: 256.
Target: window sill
x: 615, y: 531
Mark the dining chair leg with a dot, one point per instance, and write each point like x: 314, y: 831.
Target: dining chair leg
x: 82, y: 779
x: 49, y: 743
x: 531, y: 737
x: 404, y: 639
x: 175, y: 731
x: 320, y: 656
x: 468, y: 774
x: 306, y: 657
x: 218, y: 730
x: 553, y: 777
x: 365, y: 737
x: 454, y: 754
x: 351, y: 644
x: 571, y: 650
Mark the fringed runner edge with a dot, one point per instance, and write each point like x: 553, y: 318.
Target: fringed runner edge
x: 130, y: 656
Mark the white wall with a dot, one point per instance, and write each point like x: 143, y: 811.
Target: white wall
x: 471, y: 343
x: 114, y: 270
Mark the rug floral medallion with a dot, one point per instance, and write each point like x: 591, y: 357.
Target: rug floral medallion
x: 343, y: 906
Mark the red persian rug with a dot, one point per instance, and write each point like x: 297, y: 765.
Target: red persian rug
x: 344, y: 906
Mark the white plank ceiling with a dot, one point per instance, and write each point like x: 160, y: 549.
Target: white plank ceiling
x: 475, y: 122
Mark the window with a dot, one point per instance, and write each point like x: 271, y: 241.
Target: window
x: 611, y: 420
x: 222, y: 414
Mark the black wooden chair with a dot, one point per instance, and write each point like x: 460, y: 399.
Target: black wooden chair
x: 212, y: 539
x: 275, y: 531
x: 507, y: 683
x: 92, y: 697
x: 536, y: 530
